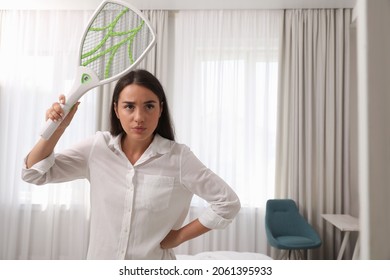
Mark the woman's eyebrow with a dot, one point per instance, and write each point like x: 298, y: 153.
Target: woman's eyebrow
x: 132, y: 102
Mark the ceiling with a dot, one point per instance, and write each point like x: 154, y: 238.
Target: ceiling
x: 179, y: 4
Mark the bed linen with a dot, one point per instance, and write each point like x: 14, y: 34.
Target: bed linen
x: 224, y: 255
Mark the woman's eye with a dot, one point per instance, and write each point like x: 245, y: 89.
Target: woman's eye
x: 130, y: 107
x: 149, y: 106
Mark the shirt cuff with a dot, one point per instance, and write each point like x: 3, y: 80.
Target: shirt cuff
x: 212, y: 220
x: 42, y: 166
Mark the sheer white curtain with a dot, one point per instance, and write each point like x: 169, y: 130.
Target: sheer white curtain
x: 38, y: 56
x: 223, y: 100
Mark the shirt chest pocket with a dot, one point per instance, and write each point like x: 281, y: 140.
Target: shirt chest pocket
x: 157, y: 192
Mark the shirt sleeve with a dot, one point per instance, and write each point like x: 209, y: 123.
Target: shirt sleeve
x: 68, y: 165
x: 224, y: 203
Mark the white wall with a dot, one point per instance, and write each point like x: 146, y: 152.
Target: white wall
x: 373, y: 20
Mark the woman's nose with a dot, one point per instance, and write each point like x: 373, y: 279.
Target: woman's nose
x: 139, y: 116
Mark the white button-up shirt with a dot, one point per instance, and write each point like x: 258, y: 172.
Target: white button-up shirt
x: 133, y: 207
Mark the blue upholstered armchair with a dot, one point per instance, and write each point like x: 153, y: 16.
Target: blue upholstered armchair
x: 288, y: 230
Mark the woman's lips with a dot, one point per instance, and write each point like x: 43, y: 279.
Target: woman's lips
x: 139, y: 129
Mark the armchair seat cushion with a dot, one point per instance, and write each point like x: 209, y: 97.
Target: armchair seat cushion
x: 295, y: 242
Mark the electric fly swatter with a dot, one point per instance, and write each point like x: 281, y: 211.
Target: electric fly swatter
x: 117, y: 38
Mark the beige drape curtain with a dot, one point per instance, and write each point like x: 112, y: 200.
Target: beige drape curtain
x: 155, y: 62
x: 312, y: 164
x: 224, y: 108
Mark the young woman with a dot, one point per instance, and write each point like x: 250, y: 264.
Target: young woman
x: 142, y: 181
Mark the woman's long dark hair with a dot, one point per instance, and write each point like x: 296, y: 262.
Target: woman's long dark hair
x: 149, y: 81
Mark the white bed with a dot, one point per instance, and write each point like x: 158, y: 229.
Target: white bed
x: 224, y: 255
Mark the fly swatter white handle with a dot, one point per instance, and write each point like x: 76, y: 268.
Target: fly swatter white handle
x: 51, y: 126
x: 86, y: 79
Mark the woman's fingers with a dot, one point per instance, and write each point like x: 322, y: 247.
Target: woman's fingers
x: 62, y: 99
x: 55, y: 112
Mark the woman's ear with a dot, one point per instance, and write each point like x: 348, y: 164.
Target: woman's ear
x: 116, y: 110
x: 161, y: 108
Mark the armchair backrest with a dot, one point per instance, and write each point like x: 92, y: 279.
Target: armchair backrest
x: 283, y: 218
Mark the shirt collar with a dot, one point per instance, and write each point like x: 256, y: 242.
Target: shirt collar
x: 159, y: 145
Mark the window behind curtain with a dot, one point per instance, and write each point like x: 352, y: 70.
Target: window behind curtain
x: 38, y: 59
x: 225, y: 93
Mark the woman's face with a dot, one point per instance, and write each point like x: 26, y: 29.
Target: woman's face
x: 138, y: 111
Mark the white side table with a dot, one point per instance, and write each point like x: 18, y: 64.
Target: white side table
x: 347, y: 224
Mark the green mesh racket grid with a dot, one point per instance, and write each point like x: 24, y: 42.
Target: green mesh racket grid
x: 115, y: 40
